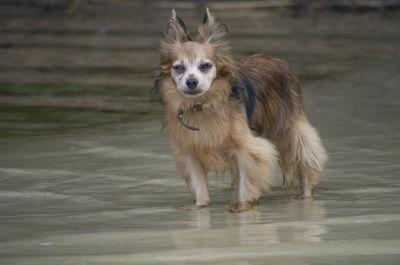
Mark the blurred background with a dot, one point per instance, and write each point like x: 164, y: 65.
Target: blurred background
x: 71, y: 64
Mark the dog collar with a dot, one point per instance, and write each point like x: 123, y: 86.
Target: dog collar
x: 195, y: 107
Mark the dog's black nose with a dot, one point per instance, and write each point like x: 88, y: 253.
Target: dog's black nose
x: 192, y: 83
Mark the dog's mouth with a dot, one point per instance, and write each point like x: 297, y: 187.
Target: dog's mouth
x: 193, y: 92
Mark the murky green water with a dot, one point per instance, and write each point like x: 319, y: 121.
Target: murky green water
x: 107, y: 194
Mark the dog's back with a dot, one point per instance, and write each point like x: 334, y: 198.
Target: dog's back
x: 271, y: 93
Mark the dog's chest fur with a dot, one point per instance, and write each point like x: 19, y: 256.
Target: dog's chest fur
x: 214, y: 127
x: 212, y: 143
x: 213, y: 120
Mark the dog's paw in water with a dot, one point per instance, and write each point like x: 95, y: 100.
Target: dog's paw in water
x: 241, y: 207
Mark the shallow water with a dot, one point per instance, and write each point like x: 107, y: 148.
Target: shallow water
x: 108, y: 195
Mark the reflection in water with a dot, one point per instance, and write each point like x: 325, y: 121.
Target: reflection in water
x: 253, y: 227
x: 201, y: 219
x: 250, y: 227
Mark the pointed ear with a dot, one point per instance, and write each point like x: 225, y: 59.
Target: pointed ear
x: 210, y: 30
x: 176, y: 30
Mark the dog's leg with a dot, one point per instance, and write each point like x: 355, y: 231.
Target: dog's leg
x: 253, y: 172
x: 255, y: 161
x: 195, y: 177
x: 312, y: 157
x: 305, y: 155
x: 287, y: 171
x: 284, y: 172
x: 244, y: 201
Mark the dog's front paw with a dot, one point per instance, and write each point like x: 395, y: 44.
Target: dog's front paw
x: 191, y: 207
x: 241, y: 207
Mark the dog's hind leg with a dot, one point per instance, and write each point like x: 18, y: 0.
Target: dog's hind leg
x: 304, y: 155
x: 254, y: 162
x: 195, y: 177
x: 283, y: 169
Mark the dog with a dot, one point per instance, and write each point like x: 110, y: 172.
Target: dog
x: 243, y: 116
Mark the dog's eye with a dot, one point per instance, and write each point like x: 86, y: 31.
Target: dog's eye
x: 179, y: 68
x: 205, y: 66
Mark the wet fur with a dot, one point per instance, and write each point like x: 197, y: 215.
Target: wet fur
x: 252, y: 116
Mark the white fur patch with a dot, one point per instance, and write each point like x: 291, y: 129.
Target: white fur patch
x: 311, y: 148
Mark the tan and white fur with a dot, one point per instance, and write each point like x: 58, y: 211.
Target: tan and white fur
x: 241, y: 116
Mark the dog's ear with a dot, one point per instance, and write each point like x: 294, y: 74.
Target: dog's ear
x: 176, y: 33
x: 176, y: 30
x: 211, y: 31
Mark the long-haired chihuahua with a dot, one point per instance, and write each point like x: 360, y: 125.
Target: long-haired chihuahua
x: 242, y: 116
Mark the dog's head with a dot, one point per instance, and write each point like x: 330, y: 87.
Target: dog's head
x: 194, y: 65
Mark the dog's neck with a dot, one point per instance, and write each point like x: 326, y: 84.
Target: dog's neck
x: 195, y: 107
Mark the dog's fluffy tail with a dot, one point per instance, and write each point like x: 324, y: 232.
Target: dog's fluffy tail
x: 303, y: 155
